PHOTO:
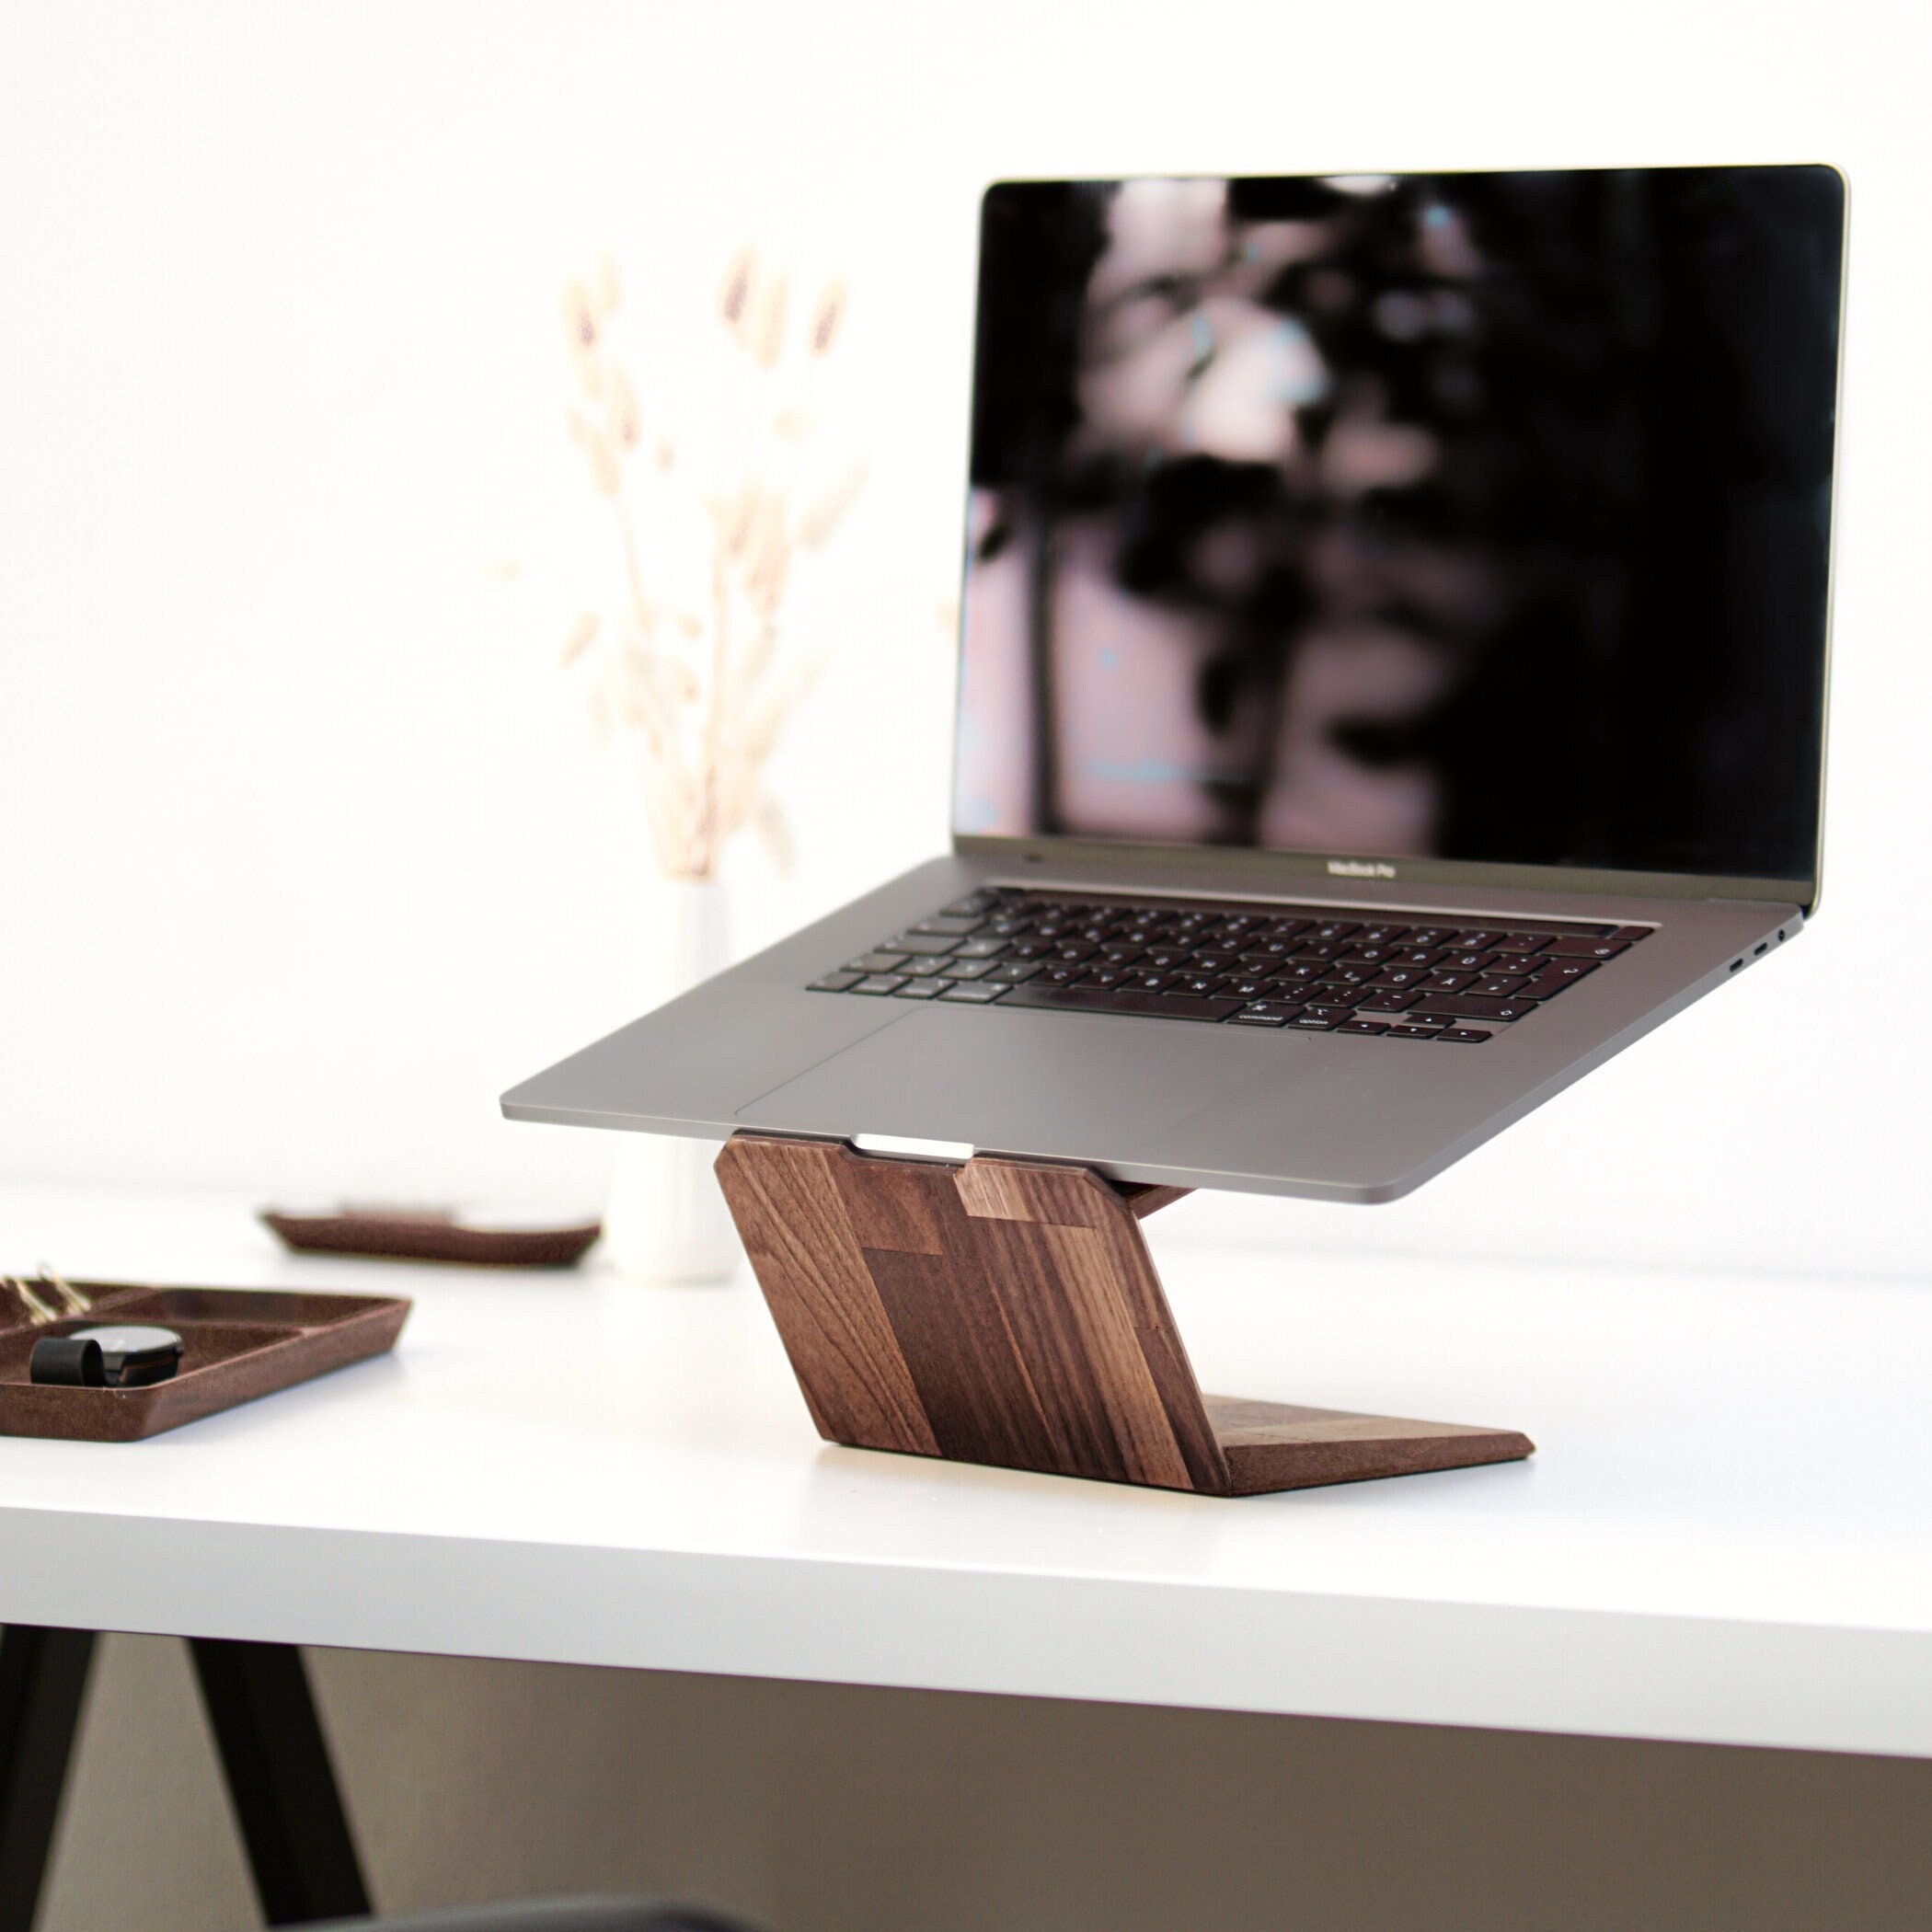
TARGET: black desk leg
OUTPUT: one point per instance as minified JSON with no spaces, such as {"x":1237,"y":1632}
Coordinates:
{"x":279,"y":1775}
{"x":42,"y":1676}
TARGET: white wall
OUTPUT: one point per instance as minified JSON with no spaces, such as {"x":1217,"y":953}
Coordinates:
{"x":306,"y":849}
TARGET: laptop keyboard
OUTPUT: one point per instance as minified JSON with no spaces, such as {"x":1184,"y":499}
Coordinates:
{"x":1290,"y":968}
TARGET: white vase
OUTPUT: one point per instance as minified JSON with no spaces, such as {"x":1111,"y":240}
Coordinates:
{"x":665,"y":1220}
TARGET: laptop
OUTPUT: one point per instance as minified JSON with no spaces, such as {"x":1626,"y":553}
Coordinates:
{"x":1392,"y":679}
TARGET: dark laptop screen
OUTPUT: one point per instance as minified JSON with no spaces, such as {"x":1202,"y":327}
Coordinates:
{"x":1478,"y":517}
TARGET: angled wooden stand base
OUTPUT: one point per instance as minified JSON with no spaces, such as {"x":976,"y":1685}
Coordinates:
{"x":1007,"y":1312}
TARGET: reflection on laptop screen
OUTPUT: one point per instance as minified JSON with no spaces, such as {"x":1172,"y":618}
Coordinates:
{"x":1480,"y":517}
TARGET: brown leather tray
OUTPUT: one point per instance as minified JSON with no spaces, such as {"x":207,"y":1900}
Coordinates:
{"x":238,"y":1343}
{"x":429,"y":1235}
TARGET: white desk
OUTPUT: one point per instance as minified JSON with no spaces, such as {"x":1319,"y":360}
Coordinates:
{"x":1726,"y":1537}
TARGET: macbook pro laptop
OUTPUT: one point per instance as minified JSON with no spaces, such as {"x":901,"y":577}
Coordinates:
{"x":1392,"y":679}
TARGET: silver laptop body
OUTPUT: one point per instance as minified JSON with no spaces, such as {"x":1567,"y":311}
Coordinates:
{"x":1356,"y":569}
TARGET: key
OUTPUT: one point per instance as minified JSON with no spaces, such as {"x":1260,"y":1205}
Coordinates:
{"x":1331,"y":929}
{"x":1415,"y":1030}
{"x":1321,"y":1019}
{"x":1467,"y":1006}
{"x":1013,"y":972}
{"x":1379,"y":936}
{"x":1451,"y":981}
{"x":1573,"y":949}
{"x":1247,"y":989}
{"x":1469,"y":1036}
{"x":1553,"y":975}
{"x":1506,"y":986}
{"x":975,"y":992}
{"x":1630,"y":935}
{"x":1476,"y":941}
{"x":1149,"y":981}
{"x":1120,"y":999}
{"x":836,"y":983}
{"x":1266,"y":1012}
{"x":947,"y":928}
{"x":1335,"y":993}
{"x":876,"y":962}
{"x":1203,"y":984}
{"x":1380,"y":1001}
{"x":879,"y":983}
{"x":969,"y":969}
{"x":1363,"y":1025}
{"x":922,"y":989}
{"x":926,"y":945}
{"x":980,"y":950}
{"x":966,"y":907}
{"x":1430,"y":935}
{"x":1523,"y":942}
{"x":1469,"y":959}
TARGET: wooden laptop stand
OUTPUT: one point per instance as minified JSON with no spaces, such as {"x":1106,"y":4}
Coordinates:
{"x":1008,"y":1312}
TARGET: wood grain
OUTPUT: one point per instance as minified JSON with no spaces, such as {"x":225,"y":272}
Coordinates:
{"x":1008,"y":1312}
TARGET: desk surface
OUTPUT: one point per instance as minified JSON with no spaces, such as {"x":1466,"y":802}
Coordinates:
{"x":1726,"y":1537}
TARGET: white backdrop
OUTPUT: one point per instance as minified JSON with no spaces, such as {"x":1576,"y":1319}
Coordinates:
{"x":306,"y":848}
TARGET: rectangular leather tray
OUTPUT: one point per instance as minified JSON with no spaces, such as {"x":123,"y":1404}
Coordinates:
{"x":237,"y":1343}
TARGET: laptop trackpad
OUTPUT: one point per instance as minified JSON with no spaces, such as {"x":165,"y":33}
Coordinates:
{"x":1019,"y":1082}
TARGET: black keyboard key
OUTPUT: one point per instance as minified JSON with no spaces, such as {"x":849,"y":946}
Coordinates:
{"x":969,"y":969}
{"x":1468,"y":1036}
{"x":1247,"y":988}
{"x":1630,"y":935}
{"x":1303,"y":971}
{"x":1210,"y":962}
{"x":1379,"y":936}
{"x":948,"y":928}
{"x":879,"y":983}
{"x":1569,"y":947}
{"x":1430,"y":935}
{"x":1030,"y":948}
{"x":1468,"y":1005}
{"x":1415,"y":1030}
{"x":1013,"y":972}
{"x":979,"y":949}
{"x":972,"y":903}
{"x":1167,"y":959}
{"x":1054,"y":973}
{"x":1363,"y":1025}
{"x":1552,"y":975}
{"x":976,"y":992}
{"x":836,"y":983}
{"x":1266,"y":1012}
{"x":1321,"y":1019}
{"x":922,"y":989}
{"x":876,"y":962}
{"x":1500,"y":986}
{"x":1451,"y":981}
{"x":1319,"y":948}
{"x":1476,"y":941}
{"x":1351,"y":973}
{"x":925,"y":945}
{"x":1383,"y":1001}
{"x":1412,"y":955}
{"x":1149,"y":981}
{"x":1468,"y":959}
{"x":1203,"y":985}
{"x":1522,"y":942}
{"x":1331,"y":929}
{"x":1121,"y":999}
{"x":1334,"y":992}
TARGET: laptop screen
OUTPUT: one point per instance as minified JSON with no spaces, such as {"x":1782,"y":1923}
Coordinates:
{"x":1478,"y":517}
